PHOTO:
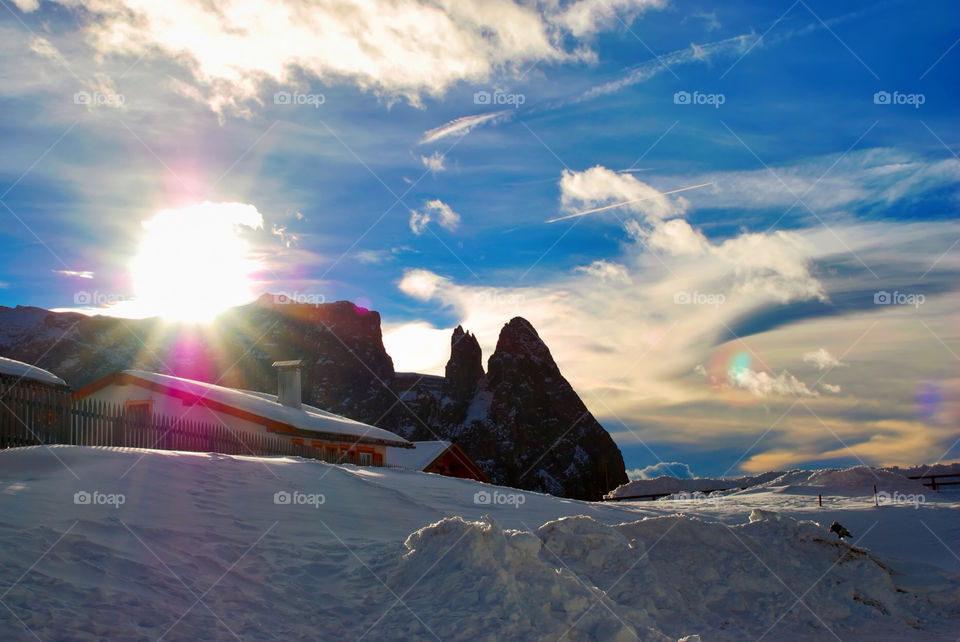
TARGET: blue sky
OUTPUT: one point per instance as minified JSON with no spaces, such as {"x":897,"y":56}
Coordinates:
{"x":731,"y":328}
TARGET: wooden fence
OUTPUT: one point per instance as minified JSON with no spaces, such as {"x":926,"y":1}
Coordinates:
{"x":938,"y":481}
{"x":33,"y":415}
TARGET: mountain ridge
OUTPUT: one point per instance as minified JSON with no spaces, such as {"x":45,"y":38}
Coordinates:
{"x":519,"y":418}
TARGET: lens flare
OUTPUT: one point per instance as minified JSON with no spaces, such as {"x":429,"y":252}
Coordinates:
{"x":193,"y":262}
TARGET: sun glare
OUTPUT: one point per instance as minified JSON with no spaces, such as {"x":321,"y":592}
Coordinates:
{"x":193,"y":263}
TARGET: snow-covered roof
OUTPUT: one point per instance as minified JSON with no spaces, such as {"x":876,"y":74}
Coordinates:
{"x":26,"y":371}
{"x":266,"y":406}
{"x":419,"y":457}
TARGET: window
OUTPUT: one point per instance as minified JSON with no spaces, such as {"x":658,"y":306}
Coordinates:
{"x":138,"y":410}
{"x":365,"y":459}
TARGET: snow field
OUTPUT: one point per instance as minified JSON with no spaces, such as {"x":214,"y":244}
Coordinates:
{"x":198,"y":549}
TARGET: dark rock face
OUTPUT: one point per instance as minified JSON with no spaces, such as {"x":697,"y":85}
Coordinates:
{"x":522,"y":421}
{"x":553,"y":442}
{"x":463,"y":373}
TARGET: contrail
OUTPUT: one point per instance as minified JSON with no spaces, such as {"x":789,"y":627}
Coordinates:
{"x":636,"y":200}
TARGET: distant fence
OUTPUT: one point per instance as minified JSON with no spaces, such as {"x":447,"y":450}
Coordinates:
{"x":35,"y":415}
{"x":938,"y":481}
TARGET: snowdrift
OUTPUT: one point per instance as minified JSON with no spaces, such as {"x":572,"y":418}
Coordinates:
{"x":115,"y":544}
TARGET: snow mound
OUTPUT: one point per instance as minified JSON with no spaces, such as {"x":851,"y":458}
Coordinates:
{"x":683,"y":575}
{"x":670,"y":576}
{"x":500,"y":578}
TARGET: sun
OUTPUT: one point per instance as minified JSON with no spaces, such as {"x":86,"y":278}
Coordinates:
{"x":193,"y":263}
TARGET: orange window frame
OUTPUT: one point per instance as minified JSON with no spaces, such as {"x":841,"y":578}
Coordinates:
{"x":137,"y":404}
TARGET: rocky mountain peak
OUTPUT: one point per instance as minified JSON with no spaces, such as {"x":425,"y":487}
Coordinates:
{"x":519,"y":346}
{"x":465,"y":367}
{"x":463,"y":374}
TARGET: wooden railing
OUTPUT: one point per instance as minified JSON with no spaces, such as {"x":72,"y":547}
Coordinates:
{"x":931,"y":481}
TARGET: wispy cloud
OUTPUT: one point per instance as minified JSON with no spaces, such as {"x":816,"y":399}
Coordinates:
{"x":764,"y":384}
{"x":692,"y":54}
{"x":435,"y":162}
{"x":822,"y":359}
{"x":605,"y":271}
{"x":435,"y":210}
{"x":464,"y":124}
{"x":75,"y":274}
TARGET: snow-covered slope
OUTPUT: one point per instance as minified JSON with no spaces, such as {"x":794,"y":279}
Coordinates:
{"x":201,"y":546}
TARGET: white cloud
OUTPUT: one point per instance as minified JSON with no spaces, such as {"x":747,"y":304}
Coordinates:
{"x":675,"y":236}
{"x":632,"y":353}
{"x":663,"y":469}
{"x":763,"y":384}
{"x":822,"y":358}
{"x":435,"y":210}
{"x":395,"y":48}
{"x":600,"y":186}
{"x":420,"y":284}
{"x":418,"y":346}
{"x":434,"y":162}
{"x":289,"y":239}
{"x":605,"y":271}
{"x":586,"y":17}
{"x":464,"y":125}
{"x":774,"y":265}
{"x":828,"y":387}
{"x":27,"y":6}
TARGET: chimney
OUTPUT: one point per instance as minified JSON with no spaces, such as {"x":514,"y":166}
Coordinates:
{"x":288,"y":382}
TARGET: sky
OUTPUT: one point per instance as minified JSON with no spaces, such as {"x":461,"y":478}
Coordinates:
{"x":794,"y":304}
